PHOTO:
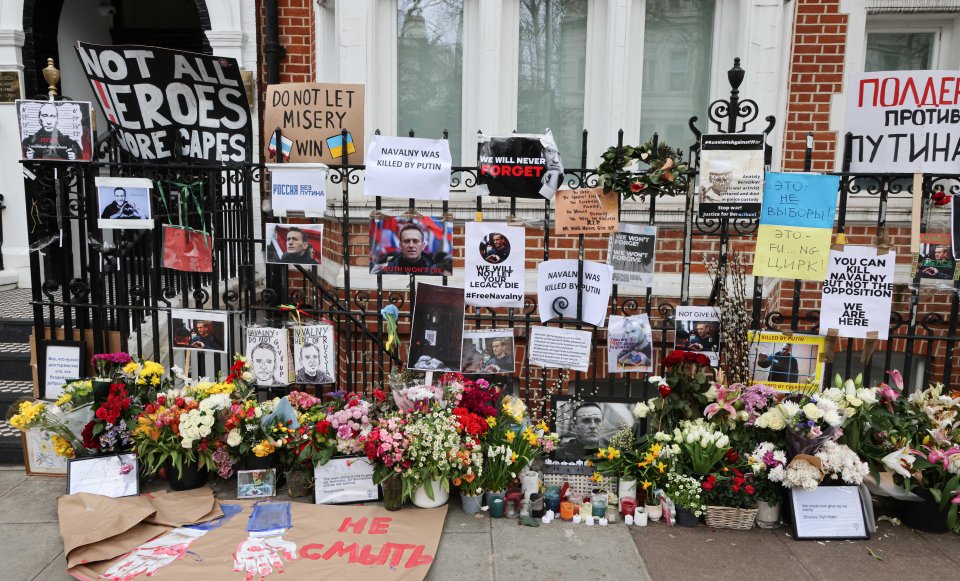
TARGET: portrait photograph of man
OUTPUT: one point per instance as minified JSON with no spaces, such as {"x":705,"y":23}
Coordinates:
{"x":488,"y":351}
{"x":421,"y":246}
{"x":124,"y":203}
{"x":57,"y":130}
{"x":294,"y":244}
{"x":267,"y":356}
{"x":585,"y":426}
{"x":785,"y":362}
{"x":199,"y":330}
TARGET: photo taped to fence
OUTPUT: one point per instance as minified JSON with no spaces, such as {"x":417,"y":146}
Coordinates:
{"x":405,"y":245}
{"x":55,"y":130}
{"x":199,"y":330}
{"x":124,"y":203}
{"x":294,"y":244}
{"x":488,"y":351}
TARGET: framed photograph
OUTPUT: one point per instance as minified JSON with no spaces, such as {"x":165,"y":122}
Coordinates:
{"x":39,"y":458}
{"x":787,"y":363}
{"x":587,"y":424}
{"x":257,"y":483}
{"x":345,"y":480}
{"x":124,"y":203}
{"x":57,"y":130}
{"x":829,"y":512}
{"x":63,"y":362}
{"x":113,"y":476}
{"x":294,"y":244}
{"x":199,"y":330}
{"x":421,"y":246}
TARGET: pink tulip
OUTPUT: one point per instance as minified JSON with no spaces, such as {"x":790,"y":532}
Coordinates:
{"x":896,"y":378}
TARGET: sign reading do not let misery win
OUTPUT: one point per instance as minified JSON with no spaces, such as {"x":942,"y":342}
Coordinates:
{"x":312,"y":118}
{"x":159,"y":99}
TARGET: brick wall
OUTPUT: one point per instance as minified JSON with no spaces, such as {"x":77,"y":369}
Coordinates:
{"x":816,"y":74}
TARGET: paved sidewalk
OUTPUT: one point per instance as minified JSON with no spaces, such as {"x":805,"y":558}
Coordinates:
{"x":482,"y":549}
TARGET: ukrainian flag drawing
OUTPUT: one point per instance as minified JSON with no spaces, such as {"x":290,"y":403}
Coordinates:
{"x":335,"y":145}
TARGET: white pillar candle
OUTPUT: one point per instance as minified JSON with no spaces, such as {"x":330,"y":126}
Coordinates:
{"x":590,"y":521}
{"x":546,"y":520}
{"x":603,"y":521}
{"x":628,"y":520}
{"x":576,"y":519}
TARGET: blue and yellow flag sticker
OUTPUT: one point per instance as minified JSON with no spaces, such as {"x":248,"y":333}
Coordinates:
{"x":335,"y":145}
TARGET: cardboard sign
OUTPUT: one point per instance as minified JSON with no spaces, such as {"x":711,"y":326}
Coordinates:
{"x":587,"y":211}
{"x":557,"y":290}
{"x":300,"y":187}
{"x":59,"y":130}
{"x":785,"y":362}
{"x":829,"y":512}
{"x":345,"y":480}
{"x":562,"y":348}
{"x":629,"y":344}
{"x":408,"y":167}
{"x":266,"y":351}
{"x":159,"y":99}
{"x":698,"y":330}
{"x":858,"y":293}
{"x":796,"y":225}
{"x":493,"y":272}
{"x":633,"y":254}
{"x":904,"y":121}
{"x":731,"y":175}
{"x":318,"y":541}
{"x":313,"y":117}
{"x":519,"y":166}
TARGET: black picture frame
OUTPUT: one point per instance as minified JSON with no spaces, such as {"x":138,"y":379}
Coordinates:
{"x":109,"y":460}
{"x":854,"y":493}
{"x":607,"y":428}
{"x":358,"y":499}
{"x":45,"y":348}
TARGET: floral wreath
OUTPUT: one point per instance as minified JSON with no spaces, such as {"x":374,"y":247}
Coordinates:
{"x":665,"y":175}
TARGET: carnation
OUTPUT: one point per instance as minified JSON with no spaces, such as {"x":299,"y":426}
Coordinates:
{"x":840,"y":462}
{"x":800,"y":473}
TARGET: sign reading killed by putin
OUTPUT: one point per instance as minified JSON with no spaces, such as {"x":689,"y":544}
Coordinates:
{"x":494,"y":256}
{"x":904,"y":121}
{"x":313,"y":117}
{"x":160,"y":100}
{"x":519,"y":166}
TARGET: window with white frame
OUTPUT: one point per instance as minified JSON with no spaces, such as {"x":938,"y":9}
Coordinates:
{"x":552,"y":67}
{"x":430,"y":69}
{"x":677,"y":56}
{"x":900,"y":51}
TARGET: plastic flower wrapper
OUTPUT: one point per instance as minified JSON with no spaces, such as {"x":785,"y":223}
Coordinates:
{"x":27,"y":414}
{"x":803,"y":471}
{"x":417,"y":397}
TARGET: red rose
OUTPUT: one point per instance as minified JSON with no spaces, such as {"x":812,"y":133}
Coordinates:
{"x":673,"y":358}
{"x":101,"y":413}
{"x":664,"y":390}
{"x":732,"y":455}
{"x":736,"y":488}
{"x":323,"y":427}
{"x":379,"y":395}
{"x":749,"y":489}
{"x":636,"y":187}
{"x":707,"y":485}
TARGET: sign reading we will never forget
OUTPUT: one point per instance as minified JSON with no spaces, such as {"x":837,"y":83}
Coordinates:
{"x":904,"y":121}
{"x":796,"y":225}
{"x":159,"y":99}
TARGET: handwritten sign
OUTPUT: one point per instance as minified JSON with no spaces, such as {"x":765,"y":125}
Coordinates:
{"x":796,"y":225}
{"x":343,"y":480}
{"x":563,"y":348}
{"x":63,"y":362}
{"x":858,"y":292}
{"x":904,"y":121}
{"x":408,"y":167}
{"x":828,"y":512}
{"x":586,"y":211}
{"x":313,"y":117}
{"x":557,"y":292}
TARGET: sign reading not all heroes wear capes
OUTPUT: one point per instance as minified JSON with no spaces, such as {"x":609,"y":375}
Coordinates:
{"x":494,"y":256}
{"x":159,"y":99}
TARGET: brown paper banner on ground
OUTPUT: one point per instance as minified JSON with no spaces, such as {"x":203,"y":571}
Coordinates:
{"x":112,"y":516}
{"x":312,"y":116}
{"x":364,"y":543}
{"x":586,"y":211}
{"x":184,"y":508}
{"x":116,"y":545}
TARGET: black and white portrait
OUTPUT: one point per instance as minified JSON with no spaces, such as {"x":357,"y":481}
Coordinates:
{"x":124,"y":203}
{"x":313,"y":354}
{"x":584,"y":426}
{"x":267,"y":356}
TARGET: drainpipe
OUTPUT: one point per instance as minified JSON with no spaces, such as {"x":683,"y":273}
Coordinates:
{"x":272,"y":48}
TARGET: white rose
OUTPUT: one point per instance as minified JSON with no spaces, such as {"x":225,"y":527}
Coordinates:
{"x":204,"y":431}
{"x":257,"y":412}
{"x":832,"y":418}
{"x":812,"y":411}
{"x":247,"y":376}
{"x":206,"y":421}
{"x":641,"y":410}
{"x":233,"y":438}
{"x":186,"y":443}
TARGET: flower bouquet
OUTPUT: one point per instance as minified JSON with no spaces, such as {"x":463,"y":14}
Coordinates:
{"x":436,"y":453}
{"x":683,"y":389}
{"x":808,"y":421}
{"x":107,"y":367}
{"x":26,"y":415}
{"x":512,"y":444}
{"x":251,"y":432}
{"x":386,"y":448}
{"x":113,"y":420}
{"x":702,"y":445}
{"x":768,"y":464}
{"x":686,"y":495}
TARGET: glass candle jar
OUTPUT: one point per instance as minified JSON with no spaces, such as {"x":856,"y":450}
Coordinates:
{"x":566,"y":511}
{"x":599,"y":504}
{"x":552,"y":498}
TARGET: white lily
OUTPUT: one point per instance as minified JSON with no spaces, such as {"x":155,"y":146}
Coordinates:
{"x":899,"y":461}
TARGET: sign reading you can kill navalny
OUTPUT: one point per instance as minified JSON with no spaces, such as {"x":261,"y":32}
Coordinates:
{"x":159,"y":99}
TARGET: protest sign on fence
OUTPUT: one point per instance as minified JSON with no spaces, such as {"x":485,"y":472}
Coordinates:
{"x":731,"y":176}
{"x":159,"y":100}
{"x":796,"y":225}
{"x":557,"y":290}
{"x":520,"y":166}
{"x":298,"y":187}
{"x":408,"y":167}
{"x":267,"y":355}
{"x":858,"y":292}
{"x":313,"y":117}
{"x":494,"y":256}
{"x":586,"y":211}
{"x":904,"y":121}
{"x":561,"y":348}
{"x":629,"y":344}
{"x":633,"y":255}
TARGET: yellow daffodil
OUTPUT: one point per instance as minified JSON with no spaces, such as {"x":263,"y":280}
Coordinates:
{"x":600,"y":453}
{"x":661,"y":467}
{"x":543,"y":426}
{"x":65,"y":398}
{"x":647,"y":484}
{"x":492,"y":422}
{"x":648,"y":458}
{"x":656,"y":449}
{"x":510,"y":436}
{"x":597,"y":477}
{"x":62,"y":447}
{"x":513,"y":457}
{"x":642,"y":464}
